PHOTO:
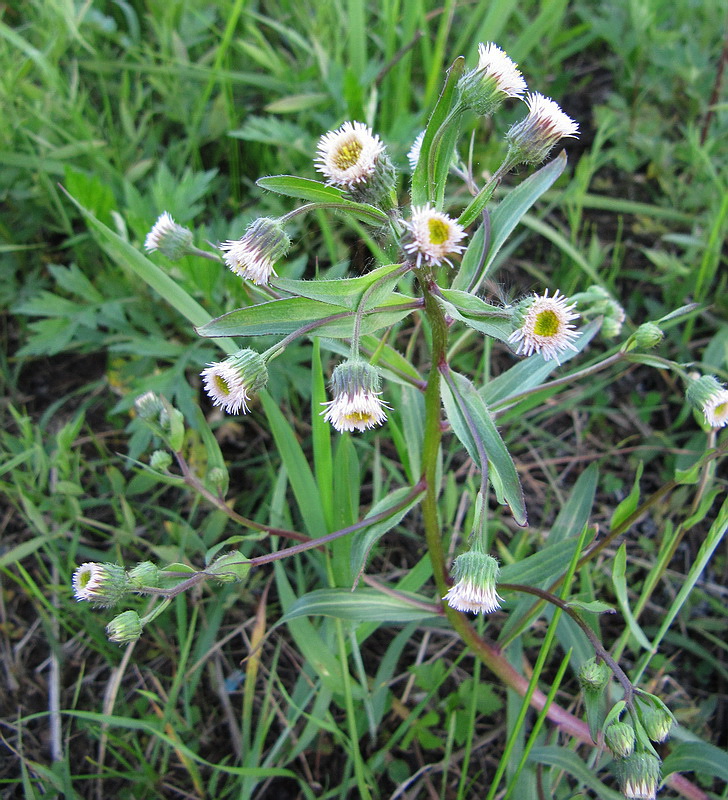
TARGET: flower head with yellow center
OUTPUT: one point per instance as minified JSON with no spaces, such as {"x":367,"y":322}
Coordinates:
{"x":348,"y":156}
{"x":255,"y":254}
{"x":433,"y":236}
{"x":233,"y":382}
{"x":710,"y":396}
{"x":532,"y":138}
{"x":101,"y":584}
{"x":544,"y":326}
{"x":356,"y":405}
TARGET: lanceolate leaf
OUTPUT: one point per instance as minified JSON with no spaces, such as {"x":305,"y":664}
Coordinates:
{"x":472,"y":424}
{"x":363,"y":605}
{"x":302,"y":188}
{"x":699,"y":757}
{"x":292,"y":313}
{"x":570,"y":762}
{"x":504,"y":218}
{"x":477,"y":314}
{"x":344,"y":292}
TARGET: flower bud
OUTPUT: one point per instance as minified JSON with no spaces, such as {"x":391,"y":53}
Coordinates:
{"x":648,"y":335}
{"x":531,"y":140}
{"x":254,"y":256}
{"x":230,"y":567}
{"x":144,"y":574}
{"x":639,"y":775}
{"x":594,"y":675}
{"x":169,"y":238}
{"x":149,"y":406}
{"x":620,"y":739}
{"x":125,"y":628}
{"x":476,"y":575}
{"x":100,"y":584}
{"x":160,"y":460}
{"x":496,"y":77}
{"x":657,"y":722}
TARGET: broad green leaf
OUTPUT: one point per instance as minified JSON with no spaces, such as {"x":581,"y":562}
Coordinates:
{"x":363,"y":541}
{"x":531,"y":372}
{"x":503,"y":220}
{"x":363,"y":605}
{"x":345,"y":292}
{"x":293,"y":313}
{"x":431,"y":164}
{"x":593,"y":606}
{"x":476,"y":313}
{"x":301,"y":188}
{"x":472,"y":424}
{"x":699,"y":757}
{"x":619,"y":580}
{"x":542,"y":567}
{"x":574,"y":514}
{"x":570,"y":762}
{"x":128,"y":257}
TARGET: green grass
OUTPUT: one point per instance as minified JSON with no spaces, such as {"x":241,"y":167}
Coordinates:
{"x":137,"y":107}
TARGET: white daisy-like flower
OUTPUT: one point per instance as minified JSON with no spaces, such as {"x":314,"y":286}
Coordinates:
{"x":475,"y":590}
{"x":433,"y":236}
{"x":532,"y":138}
{"x":233,"y":382}
{"x":168,"y":237}
{"x":715,"y":409}
{"x":545,"y":325}
{"x":356,"y":405}
{"x":493,"y":62}
{"x":101,"y":584}
{"x":254,"y":256}
{"x":414,"y":154}
{"x":348,"y":156}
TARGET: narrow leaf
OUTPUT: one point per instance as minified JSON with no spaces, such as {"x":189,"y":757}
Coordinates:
{"x":477,"y":314}
{"x":301,"y":188}
{"x":363,"y":605}
{"x":619,"y":579}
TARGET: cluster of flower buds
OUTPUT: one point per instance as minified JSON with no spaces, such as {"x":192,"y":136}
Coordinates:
{"x":597,"y":302}
{"x":107,"y":585}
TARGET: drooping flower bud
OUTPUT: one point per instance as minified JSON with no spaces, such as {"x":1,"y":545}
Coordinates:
{"x":496,"y":77}
{"x":160,"y":460}
{"x":639,"y":775}
{"x":356,"y":405}
{"x":125,"y":628}
{"x":254,"y":255}
{"x":657,"y":721}
{"x":233,"y":382}
{"x":594,"y":676}
{"x":229,"y":567}
{"x":531,"y":140}
{"x":169,"y":238}
{"x":620,"y":739}
{"x":144,"y":574}
{"x":476,"y":587}
{"x":648,"y":335}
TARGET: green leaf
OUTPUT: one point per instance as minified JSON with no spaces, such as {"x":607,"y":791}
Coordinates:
{"x":619,"y":579}
{"x":699,"y":757}
{"x":363,"y":542}
{"x":292,"y":313}
{"x":301,"y":188}
{"x":503,"y":220}
{"x":593,"y":606}
{"x":565,"y":759}
{"x":363,"y":605}
{"x":472,"y":424}
{"x":435,"y":162}
{"x":476,"y":313}
{"x":629,"y":505}
{"x":345,"y":292}
{"x":575,"y":512}
{"x":543,"y":566}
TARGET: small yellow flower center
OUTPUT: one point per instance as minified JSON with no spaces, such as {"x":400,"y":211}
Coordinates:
{"x":84,"y":579}
{"x":357,"y":416}
{"x":222,"y":385}
{"x":547,"y":323}
{"x":348,"y":154}
{"x":721,"y":411}
{"x":439,"y":231}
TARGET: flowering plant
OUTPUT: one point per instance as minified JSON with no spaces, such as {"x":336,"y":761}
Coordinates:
{"x":443,"y":248}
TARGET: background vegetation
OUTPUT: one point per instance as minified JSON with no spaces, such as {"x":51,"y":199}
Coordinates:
{"x":137,"y":106}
